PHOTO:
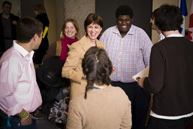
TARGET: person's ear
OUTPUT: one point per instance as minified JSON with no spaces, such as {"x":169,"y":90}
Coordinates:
{"x":35,"y":37}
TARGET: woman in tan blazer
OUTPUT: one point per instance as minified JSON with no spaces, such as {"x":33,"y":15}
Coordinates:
{"x":72,"y":68}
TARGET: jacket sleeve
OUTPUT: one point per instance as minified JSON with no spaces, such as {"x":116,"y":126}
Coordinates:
{"x":72,"y":68}
{"x":154,"y":83}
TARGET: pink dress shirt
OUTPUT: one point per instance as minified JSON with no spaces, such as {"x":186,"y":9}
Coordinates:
{"x":18,"y":86}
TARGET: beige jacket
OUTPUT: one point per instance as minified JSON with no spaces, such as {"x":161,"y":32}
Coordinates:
{"x":72,"y":68}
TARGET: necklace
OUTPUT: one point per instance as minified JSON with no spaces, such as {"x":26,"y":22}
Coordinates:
{"x":99,"y":87}
{"x":95,"y":87}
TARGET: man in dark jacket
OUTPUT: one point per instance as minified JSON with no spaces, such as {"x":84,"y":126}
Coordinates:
{"x":171,"y":74}
{"x":8,"y":22}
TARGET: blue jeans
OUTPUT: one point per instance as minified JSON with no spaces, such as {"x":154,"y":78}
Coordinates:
{"x":16,"y":123}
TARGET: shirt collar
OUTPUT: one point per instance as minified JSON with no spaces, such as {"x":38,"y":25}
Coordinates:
{"x":175,"y":35}
{"x":21,"y":50}
{"x":131,"y":30}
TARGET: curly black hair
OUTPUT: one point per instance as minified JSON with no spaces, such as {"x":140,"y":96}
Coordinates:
{"x":124,"y":10}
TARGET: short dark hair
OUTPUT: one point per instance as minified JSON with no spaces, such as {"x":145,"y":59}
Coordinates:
{"x":168,"y":17}
{"x":124,"y":10}
{"x":6,"y":2}
{"x":27,"y":27}
{"x":97,"y":67}
{"x":93,"y":18}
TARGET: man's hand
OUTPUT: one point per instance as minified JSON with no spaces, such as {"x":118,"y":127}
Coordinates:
{"x":140,"y":82}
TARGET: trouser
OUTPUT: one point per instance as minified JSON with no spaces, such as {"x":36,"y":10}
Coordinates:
{"x":140,"y":100}
{"x":156,"y":123}
{"x":15,"y":123}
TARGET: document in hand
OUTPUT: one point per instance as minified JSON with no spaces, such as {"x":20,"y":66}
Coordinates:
{"x":142,"y":74}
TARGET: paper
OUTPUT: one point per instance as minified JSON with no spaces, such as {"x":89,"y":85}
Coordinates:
{"x":142,"y":74}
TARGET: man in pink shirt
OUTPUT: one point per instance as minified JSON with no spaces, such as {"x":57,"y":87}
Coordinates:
{"x":19,"y":92}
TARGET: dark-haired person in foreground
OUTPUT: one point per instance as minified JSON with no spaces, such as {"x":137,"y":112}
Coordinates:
{"x":171,"y":74}
{"x":19,"y":92}
{"x":101,"y":106}
{"x":128,"y":47}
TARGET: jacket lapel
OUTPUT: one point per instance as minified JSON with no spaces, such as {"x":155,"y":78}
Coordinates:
{"x":85,"y":44}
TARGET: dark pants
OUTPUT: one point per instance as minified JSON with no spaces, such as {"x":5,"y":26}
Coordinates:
{"x":139,"y":102}
{"x":155,"y":123}
{"x":16,"y":124}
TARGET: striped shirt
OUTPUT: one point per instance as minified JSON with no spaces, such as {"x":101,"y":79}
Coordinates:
{"x":129,"y":54}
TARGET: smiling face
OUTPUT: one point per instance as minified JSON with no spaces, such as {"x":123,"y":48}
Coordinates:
{"x":124,"y":23}
{"x":70,"y":31}
{"x":93,"y":31}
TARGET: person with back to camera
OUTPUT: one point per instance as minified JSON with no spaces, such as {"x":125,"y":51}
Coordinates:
{"x":69,"y":32}
{"x":72,"y":68}
{"x":154,"y":27}
{"x":128,"y":47}
{"x":171,"y":74}
{"x":40,"y":12}
{"x":101,"y":106}
{"x":19,"y":93}
{"x":8,"y":22}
